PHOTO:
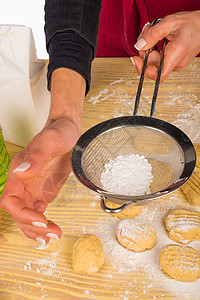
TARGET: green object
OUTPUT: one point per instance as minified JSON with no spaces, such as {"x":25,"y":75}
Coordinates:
{"x":4,"y":164}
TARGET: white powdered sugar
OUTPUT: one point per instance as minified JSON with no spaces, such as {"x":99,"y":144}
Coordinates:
{"x":183,"y":224}
{"x":127,"y":175}
{"x":132,"y":229}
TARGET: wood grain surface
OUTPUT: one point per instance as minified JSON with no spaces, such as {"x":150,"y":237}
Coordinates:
{"x":28,"y":271}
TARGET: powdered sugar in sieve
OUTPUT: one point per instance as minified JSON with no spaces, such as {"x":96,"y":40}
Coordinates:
{"x":129,"y":175}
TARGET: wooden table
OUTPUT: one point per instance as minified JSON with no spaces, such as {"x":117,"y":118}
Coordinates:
{"x":28,"y":271}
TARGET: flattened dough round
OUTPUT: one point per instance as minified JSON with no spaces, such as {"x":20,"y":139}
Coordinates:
{"x":88,"y":254}
{"x":180,"y":262}
{"x":191,"y":188}
{"x":135,"y":235}
{"x":129,"y":212}
{"x":162,"y":175}
{"x":153,"y":142}
{"x":183,"y":225}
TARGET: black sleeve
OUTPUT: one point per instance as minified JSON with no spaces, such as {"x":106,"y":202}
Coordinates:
{"x":69,"y":50}
{"x":81,"y":16}
{"x":71,"y":28}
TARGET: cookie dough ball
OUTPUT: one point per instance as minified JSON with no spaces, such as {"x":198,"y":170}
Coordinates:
{"x":180,"y":262}
{"x":135,"y":235}
{"x":183,"y":225}
{"x":88,"y":254}
{"x":153,"y":142}
{"x":162,"y":175}
{"x":129,"y":212}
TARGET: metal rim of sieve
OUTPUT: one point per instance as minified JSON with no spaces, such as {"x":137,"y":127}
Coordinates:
{"x":172,"y":131}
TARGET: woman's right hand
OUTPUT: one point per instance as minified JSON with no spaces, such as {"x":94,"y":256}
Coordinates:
{"x":182,"y":30}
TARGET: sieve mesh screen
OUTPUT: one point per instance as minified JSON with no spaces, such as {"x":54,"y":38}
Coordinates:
{"x":162,"y":151}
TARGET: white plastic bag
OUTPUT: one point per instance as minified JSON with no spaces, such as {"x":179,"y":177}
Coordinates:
{"x":24,"y":98}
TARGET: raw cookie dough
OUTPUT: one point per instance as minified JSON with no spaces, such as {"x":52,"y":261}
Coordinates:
{"x":135,"y":235}
{"x":153,"y":142}
{"x":180,"y":262}
{"x":129,"y":212}
{"x":162,"y":175}
{"x":88,"y":255}
{"x":197,"y":148}
{"x":183,"y":225}
{"x":191,"y":188}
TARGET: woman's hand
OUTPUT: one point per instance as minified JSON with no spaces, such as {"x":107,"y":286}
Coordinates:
{"x":37,"y":173}
{"x":182,"y":30}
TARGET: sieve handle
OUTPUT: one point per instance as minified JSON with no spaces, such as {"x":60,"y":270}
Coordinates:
{"x":139,"y":90}
{"x":113,"y":210}
{"x":155,"y":93}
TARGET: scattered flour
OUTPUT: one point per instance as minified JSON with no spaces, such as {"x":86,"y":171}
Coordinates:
{"x":45,"y":266}
{"x":100,"y":97}
{"x":115,"y":89}
{"x":189,"y":123}
{"x":127,"y":175}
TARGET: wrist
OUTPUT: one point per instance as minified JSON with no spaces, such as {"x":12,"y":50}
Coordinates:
{"x":67,"y":95}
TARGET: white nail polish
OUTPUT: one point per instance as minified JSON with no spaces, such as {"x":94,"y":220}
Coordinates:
{"x":40,"y":240}
{"x":145,"y":25}
{"x":52,"y":236}
{"x":39,"y":224}
{"x":132,"y":60}
{"x":22,"y":168}
{"x":140,"y":44}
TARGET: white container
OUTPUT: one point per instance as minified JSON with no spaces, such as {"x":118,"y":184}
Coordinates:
{"x":24,"y":98}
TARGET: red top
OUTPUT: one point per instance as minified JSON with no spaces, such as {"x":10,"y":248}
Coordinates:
{"x":121,"y":21}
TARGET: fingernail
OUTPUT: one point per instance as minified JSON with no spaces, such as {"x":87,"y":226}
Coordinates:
{"x":133,"y":62}
{"x":52,"y":236}
{"x":22,"y":168}
{"x":145,"y":25}
{"x":40,"y":240}
{"x":140,"y":44}
{"x":39,"y":224}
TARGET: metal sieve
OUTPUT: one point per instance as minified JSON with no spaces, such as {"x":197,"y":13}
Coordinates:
{"x":168,"y":149}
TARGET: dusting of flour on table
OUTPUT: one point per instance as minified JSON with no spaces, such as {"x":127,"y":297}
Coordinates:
{"x":127,"y":175}
{"x":189,"y":123}
{"x":124,"y":260}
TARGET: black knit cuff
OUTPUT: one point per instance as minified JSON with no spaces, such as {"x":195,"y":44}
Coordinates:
{"x":69,"y":50}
